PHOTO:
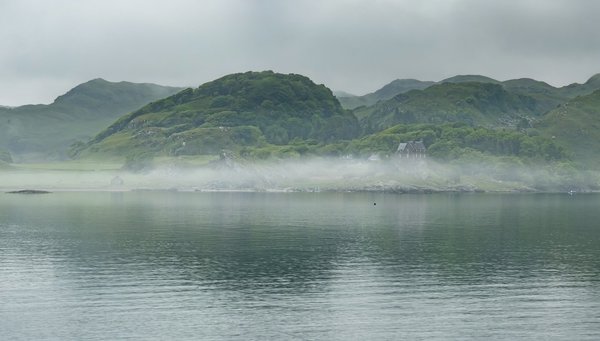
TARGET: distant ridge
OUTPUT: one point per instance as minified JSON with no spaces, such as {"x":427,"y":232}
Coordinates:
{"x":479,"y":104}
{"x":388,"y":91}
{"x":546,"y":95}
{"x":45,"y":132}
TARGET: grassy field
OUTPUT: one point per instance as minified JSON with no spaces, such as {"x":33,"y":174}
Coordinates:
{"x":113,"y":164}
{"x":73,"y":165}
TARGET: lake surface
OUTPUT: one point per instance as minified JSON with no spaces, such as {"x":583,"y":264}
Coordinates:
{"x":306,"y":266}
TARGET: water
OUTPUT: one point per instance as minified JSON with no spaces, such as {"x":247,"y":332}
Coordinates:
{"x":306,"y":266}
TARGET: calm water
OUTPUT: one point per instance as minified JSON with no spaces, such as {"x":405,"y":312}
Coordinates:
{"x":319,"y":266}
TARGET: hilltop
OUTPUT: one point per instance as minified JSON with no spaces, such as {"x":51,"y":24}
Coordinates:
{"x":44,"y":132}
{"x":238,"y":111}
{"x":547,"y":96}
{"x":470,"y":79}
{"x":479,"y":104}
{"x":388,"y":91}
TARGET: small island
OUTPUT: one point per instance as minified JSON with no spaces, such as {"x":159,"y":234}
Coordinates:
{"x":29,"y":191}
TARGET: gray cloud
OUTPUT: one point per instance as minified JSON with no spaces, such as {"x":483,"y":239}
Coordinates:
{"x":352,"y":45}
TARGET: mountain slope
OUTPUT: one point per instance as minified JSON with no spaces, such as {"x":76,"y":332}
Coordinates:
{"x":43,"y":132}
{"x":575,"y":89}
{"x":472,"y":103}
{"x":576,"y":125}
{"x":235,"y":111}
{"x":390,"y":90}
{"x":547,"y":97}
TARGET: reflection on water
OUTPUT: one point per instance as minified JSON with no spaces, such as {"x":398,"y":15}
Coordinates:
{"x":299,"y":266}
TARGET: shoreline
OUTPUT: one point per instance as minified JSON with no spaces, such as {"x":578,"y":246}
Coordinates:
{"x":413,"y":190}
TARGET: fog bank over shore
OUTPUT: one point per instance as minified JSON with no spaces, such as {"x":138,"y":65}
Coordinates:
{"x":318,"y":174}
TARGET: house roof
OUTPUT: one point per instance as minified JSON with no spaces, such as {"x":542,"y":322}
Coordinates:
{"x":412,"y":147}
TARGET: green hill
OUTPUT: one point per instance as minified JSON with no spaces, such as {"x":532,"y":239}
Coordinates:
{"x":390,"y":90}
{"x":576,"y":125}
{"x":575,"y":89}
{"x":547,"y":97}
{"x":237,"y":111}
{"x":44,"y":132}
{"x":472,"y":103}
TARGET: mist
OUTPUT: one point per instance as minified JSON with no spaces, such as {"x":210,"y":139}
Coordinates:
{"x":356,"y":46}
{"x":316,"y":175}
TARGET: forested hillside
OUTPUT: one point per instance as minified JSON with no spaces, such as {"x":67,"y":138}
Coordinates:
{"x":239,"y":110}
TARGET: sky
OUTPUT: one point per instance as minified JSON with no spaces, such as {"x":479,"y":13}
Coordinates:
{"x":357,"y":46}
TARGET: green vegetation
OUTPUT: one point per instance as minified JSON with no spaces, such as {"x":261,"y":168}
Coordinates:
{"x":576,"y":125}
{"x":574,"y":90}
{"x":45,"y":132}
{"x":72,"y":165}
{"x":527,"y":86}
{"x":253,"y":109}
{"x":477,"y":104}
{"x":390,"y":90}
{"x":546,"y":96}
{"x":265,"y":115}
{"x":453,"y":141}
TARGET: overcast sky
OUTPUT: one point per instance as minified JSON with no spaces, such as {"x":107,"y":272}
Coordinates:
{"x":48,"y":47}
